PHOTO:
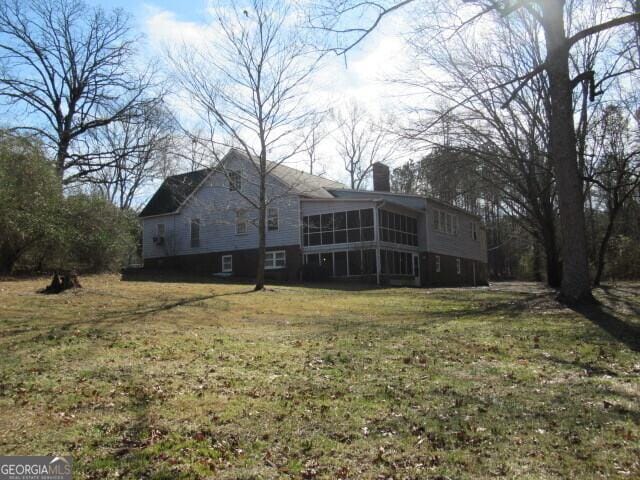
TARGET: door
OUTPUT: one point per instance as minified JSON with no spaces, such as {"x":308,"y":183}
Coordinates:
{"x":416,"y":269}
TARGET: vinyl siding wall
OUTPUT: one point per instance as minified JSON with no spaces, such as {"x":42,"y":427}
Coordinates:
{"x":215,"y":206}
{"x":459,"y":245}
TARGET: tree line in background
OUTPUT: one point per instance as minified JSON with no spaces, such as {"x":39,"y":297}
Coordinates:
{"x":518,"y":81}
{"x":531,"y":120}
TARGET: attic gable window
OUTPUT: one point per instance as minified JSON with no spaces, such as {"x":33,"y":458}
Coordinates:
{"x":235,"y":180}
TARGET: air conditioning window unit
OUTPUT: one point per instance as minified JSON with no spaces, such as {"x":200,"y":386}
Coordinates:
{"x":158,"y":240}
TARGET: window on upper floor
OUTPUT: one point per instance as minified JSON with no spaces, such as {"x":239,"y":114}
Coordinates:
{"x":195,"y":232}
{"x":397,"y":228}
{"x":474,"y":230}
{"x":241,"y":222}
{"x":341,"y":227}
{"x":445,"y":222}
{"x":158,"y":239}
{"x":272,"y":219}
{"x":235,"y":180}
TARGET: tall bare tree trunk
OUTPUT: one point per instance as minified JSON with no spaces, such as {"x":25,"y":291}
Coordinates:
{"x":576,"y":286}
{"x":61,"y":156}
{"x":262,"y":213}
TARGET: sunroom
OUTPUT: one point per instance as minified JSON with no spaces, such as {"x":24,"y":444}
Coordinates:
{"x":370,"y":241}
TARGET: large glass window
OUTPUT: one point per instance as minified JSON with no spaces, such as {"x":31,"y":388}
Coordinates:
{"x":355,"y":262}
{"x":326,"y":260}
{"x":369,"y":262}
{"x":340,"y":264}
{"x":396,"y":263}
{"x":398,"y":228}
{"x":340,"y":259}
{"x":340,"y":227}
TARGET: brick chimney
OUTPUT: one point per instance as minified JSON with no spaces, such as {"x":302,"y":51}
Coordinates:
{"x":381,"y":178}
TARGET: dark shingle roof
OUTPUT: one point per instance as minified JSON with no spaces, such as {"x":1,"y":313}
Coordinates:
{"x":176,"y":189}
{"x":173,"y":192}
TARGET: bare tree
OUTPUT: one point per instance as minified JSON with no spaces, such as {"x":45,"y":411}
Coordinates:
{"x":247,"y":86}
{"x":134,"y":153}
{"x":560,"y":37}
{"x":505,"y":148}
{"x":361,"y":142}
{"x":71,"y":68}
{"x":313,"y":135}
{"x":615,"y":172}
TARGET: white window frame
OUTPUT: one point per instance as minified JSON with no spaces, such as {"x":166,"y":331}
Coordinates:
{"x":458,"y":266}
{"x":271,"y":259}
{"x":241,"y":221}
{"x":445,"y":222}
{"x":194,"y":220}
{"x":224,"y":260}
{"x":276,"y":216}
{"x":438,"y":265}
{"x":158,"y":225}
{"x":238,"y":185}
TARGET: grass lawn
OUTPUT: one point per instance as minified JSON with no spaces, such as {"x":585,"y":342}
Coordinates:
{"x":194,"y":380}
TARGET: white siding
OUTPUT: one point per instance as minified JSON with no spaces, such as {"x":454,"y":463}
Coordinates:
{"x":215,"y":205}
{"x":461,"y":244}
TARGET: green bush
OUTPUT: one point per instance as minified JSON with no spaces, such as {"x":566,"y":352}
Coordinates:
{"x":99,"y":236}
{"x":42,"y":230}
{"x":30,"y":201}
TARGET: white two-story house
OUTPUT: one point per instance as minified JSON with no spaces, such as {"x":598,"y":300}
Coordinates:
{"x":205,"y":222}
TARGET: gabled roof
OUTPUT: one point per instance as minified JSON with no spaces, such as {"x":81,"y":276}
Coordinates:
{"x":175,"y":190}
{"x":303,"y":183}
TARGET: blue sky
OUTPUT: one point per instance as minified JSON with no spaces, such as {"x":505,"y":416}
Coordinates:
{"x":362,"y":79}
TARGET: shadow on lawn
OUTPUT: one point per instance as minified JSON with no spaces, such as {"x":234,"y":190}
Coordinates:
{"x":145,"y":310}
{"x":623,"y":331}
{"x":181,"y":277}
{"x":130,"y":454}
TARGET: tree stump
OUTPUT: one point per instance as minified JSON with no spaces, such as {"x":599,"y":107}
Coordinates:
{"x":61,"y":282}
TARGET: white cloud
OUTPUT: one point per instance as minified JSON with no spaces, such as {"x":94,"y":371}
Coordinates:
{"x":362,"y":76}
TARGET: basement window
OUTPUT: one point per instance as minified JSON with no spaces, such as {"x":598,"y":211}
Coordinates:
{"x":227,"y":263}
{"x":277,"y":259}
